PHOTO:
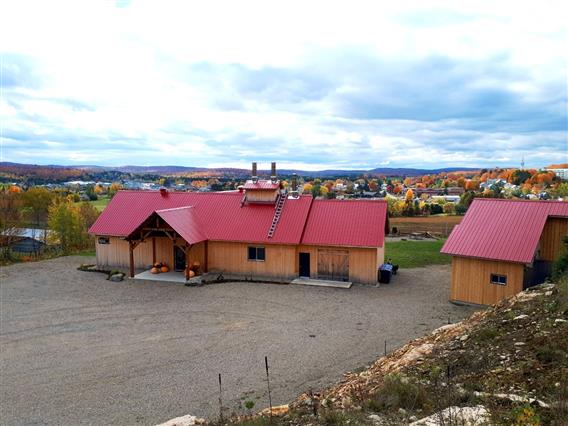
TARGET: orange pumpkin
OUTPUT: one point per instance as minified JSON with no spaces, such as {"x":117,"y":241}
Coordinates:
{"x":155,"y":270}
{"x":191,"y":274}
{"x":164,"y":268}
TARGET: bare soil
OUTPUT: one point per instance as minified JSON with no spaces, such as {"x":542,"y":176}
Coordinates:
{"x":442,"y":225}
{"x":78,"y":349}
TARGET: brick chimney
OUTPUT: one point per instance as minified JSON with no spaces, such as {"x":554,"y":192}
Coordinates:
{"x":254,"y":172}
{"x":273,"y":172}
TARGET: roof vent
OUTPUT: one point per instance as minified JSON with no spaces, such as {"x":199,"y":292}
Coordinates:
{"x":163,"y":192}
{"x":254,"y":172}
{"x":273,"y":172}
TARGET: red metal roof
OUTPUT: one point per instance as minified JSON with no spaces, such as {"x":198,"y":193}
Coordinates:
{"x":185,"y":222}
{"x":219,"y":216}
{"x":359,"y":223}
{"x":507,"y":230}
{"x":261,"y":184}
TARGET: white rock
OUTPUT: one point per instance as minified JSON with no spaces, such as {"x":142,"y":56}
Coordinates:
{"x":445,"y":328}
{"x":520,"y":317}
{"x":559,"y":320}
{"x":464,"y":337}
{"x":376,"y":419}
{"x":465,"y":416}
{"x":186,"y":420}
{"x":520,"y":343}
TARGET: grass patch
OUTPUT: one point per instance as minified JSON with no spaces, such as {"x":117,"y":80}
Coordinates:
{"x":100,"y":204}
{"x":89,"y":252}
{"x":414,"y":254}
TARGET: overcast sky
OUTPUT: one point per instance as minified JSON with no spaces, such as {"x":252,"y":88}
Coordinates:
{"x":309,"y":84}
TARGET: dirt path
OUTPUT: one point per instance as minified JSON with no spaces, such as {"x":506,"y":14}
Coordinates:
{"x":77,"y":349}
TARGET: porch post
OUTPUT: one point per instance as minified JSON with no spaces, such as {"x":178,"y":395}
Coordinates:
{"x":187,"y":262}
{"x":131,"y":255}
{"x":153,"y":251}
{"x":205,"y":249}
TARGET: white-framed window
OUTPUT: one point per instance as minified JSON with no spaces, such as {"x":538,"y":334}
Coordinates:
{"x":103,"y":240}
{"x":498,"y":279}
{"x":256,"y":254}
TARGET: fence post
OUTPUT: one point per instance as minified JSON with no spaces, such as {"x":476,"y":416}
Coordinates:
{"x":220,"y":399}
{"x":268,"y":382}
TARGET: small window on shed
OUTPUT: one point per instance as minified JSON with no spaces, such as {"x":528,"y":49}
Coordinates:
{"x":104,"y":240}
{"x":256,"y":254}
{"x":498,"y":279}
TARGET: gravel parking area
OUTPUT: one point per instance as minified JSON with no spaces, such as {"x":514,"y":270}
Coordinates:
{"x":77,"y":349}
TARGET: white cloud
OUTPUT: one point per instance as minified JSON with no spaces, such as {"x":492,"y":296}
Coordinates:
{"x":126,"y":78}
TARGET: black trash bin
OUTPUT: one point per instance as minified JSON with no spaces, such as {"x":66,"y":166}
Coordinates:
{"x":385,"y":273}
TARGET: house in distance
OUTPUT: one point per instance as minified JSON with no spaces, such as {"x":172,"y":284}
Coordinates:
{"x":263,"y":232}
{"x":502,"y":247}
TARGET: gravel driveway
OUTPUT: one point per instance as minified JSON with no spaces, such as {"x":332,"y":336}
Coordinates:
{"x":77,"y":349}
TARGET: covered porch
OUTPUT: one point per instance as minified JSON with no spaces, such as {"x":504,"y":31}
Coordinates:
{"x":184,"y":239}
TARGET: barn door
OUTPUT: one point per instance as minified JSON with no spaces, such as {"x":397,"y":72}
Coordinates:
{"x":333,"y":265}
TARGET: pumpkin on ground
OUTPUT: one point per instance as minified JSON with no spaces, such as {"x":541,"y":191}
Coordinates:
{"x":164,"y":269}
{"x":191,"y":274}
{"x":155,"y":270}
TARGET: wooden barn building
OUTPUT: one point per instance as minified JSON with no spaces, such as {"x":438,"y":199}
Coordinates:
{"x":261,"y":232}
{"x":501,"y":247}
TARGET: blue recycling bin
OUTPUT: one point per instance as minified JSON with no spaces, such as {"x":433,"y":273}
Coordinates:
{"x":385,"y":273}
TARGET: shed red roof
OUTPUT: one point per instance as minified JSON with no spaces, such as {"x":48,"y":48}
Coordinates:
{"x":219,"y":216}
{"x":507,"y":230}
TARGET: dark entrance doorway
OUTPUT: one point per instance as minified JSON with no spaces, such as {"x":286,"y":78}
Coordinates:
{"x":179,"y":259}
{"x":305,"y":265}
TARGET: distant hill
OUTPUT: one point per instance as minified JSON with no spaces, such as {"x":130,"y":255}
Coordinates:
{"x":57,"y":172}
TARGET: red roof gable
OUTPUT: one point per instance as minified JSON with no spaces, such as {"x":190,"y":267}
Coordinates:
{"x":219,"y":216}
{"x":346,"y":222}
{"x":185,"y":222}
{"x":507,"y":230}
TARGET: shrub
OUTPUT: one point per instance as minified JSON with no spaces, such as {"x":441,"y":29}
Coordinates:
{"x":548,"y":354}
{"x":398,"y":392}
{"x":487,"y":333}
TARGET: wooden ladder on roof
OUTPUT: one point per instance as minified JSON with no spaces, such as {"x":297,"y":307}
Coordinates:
{"x":277,"y":214}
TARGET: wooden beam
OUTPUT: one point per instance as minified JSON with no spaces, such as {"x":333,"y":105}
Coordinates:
{"x":205,"y":257}
{"x":131,"y":257}
{"x":153,"y":251}
{"x":158,"y":229}
{"x":187,"y":264}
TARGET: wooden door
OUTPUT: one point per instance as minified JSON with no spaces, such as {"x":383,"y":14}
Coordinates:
{"x":333,"y":265}
{"x":305,"y":265}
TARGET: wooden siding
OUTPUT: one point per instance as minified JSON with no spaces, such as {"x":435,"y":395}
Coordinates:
{"x":471,"y":280}
{"x":115,"y":254}
{"x":363,"y":262}
{"x":551,"y":239}
{"x":281,"y":264}
{"x":232,"y":258}
{"x":262,"y":195}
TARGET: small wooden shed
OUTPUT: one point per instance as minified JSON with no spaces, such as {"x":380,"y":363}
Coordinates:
{"x":502,"y":247}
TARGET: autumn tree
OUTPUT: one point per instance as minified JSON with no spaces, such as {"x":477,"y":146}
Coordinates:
{"x":37,"y":200}
{"x":10,"y":216}
{"x":409,"y":196}
{"x":70,"y":223}
{"x":307,"y":188}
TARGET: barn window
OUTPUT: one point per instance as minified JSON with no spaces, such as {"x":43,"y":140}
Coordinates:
{"x":256,"y":254}
{"x":104,"y":240}
{"x":498,"y":279}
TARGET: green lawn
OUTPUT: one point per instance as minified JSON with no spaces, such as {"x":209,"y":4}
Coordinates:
{"x":413,"y":254}
{"x":101,"y":203}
